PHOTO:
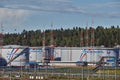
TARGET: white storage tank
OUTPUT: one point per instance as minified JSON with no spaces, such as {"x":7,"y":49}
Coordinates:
{"x":11,"y":51}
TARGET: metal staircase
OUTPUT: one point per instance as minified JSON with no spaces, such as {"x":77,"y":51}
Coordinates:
{"x":101,"y":64}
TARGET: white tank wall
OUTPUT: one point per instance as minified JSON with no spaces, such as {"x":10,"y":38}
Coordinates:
{"x":68,"y":54}
{"x":93,"y":55}
{"x":65,"y":55}
{"x":35,"y":54}
{"x":9,"y":52}
{"x":75,"y":54}
{"x":57,"y":52}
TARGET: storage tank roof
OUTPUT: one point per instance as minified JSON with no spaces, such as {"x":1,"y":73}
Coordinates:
{"x":13,"y":46}
{"x":78,"y":48}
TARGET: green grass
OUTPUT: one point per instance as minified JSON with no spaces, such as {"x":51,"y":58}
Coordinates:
{"x":109,"y":71}
{"x":69,"y":70}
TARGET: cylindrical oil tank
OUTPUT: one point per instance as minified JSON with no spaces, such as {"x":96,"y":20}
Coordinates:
{"x":9,"y":52}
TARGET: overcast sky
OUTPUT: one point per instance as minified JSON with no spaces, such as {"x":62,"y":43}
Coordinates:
{"x":39,"y":14}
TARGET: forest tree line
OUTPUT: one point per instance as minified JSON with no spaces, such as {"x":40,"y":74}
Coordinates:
{"x":109,"y":37}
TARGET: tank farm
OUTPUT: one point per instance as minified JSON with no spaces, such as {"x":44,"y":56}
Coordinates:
{"x":39,"y":63}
